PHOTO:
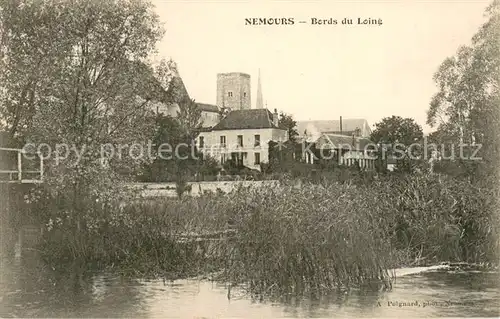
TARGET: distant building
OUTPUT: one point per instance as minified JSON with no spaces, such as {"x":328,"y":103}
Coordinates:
{"x":347,"y":143}
{"x":243,"y":137}
{"x":210,"y":114}
{"x":175,"y":93}
{"x":347,"y":150}
{"x":243,"y":134}
{"x":233,"y":91}
{"x":312,"y":130}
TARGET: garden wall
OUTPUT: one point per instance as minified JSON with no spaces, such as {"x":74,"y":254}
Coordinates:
{"x":197,"y":188}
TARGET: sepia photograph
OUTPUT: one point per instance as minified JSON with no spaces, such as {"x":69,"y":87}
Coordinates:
{"x":249,"y":159}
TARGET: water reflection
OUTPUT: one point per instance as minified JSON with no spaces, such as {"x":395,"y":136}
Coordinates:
{"x":37,"y":291}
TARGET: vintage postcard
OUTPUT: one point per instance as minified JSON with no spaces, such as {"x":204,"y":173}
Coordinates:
{"x":249,"y":159}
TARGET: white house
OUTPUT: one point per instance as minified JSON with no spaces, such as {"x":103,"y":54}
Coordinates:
{"x":345,"y":150}
{"x":242,"y":136}
{"x":210,"y":114}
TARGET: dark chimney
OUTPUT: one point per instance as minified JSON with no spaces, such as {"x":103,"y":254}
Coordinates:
{"x":341,"y":125}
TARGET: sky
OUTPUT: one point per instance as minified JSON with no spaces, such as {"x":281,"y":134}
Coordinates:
{"x":321,"y":72}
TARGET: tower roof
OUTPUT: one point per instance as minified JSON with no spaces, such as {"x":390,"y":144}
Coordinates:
{"x":172,"y":92}
{"x":234,"y":73}
{"x":177,"y":91}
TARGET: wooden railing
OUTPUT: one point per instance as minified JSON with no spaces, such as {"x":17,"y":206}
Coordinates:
{"x":20,"y":175}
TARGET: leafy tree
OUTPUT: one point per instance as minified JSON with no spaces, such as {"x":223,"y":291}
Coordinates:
{"x":164,"y":73}
{"x":179,"y":158}
{"x":26,"y":59}
{"x":167,"y":136}
{"x":77,"y":75}
{"x":287,"y":122}
{"x":285,"y":151}
{"x":395,"y":129}
{"x":396,"y":134}
{"x":189,"y":116}
{"x":179,"y":132}
{"x":465,"y":109}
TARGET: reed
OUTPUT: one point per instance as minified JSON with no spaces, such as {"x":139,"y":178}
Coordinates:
{"x":311,"y":239}
{"x":142,"y":236}
{"x":295,"y":238}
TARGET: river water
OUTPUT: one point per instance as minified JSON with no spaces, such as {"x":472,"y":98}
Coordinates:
{"x":36,"y":291}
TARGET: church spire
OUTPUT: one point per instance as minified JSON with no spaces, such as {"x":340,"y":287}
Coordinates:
{"x":260,"y":103}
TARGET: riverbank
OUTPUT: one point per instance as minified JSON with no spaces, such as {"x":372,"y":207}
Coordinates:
{"x":289,"y":239}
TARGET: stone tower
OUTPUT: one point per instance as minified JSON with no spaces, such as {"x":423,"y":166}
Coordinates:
{"x":233,"y":91}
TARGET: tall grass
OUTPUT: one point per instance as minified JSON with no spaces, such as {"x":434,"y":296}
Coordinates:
{"x":313,"y":237}
{"x":320,"y":237}
{"x":307,"y":239}
{"x":442,"y":218}
{"x":141,"y":237}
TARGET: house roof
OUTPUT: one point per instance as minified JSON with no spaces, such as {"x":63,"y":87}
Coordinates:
{"x":208,"y":107}
{"x":329,"y":126}
{"x":337,"y":141}
{"x":246,"y":119}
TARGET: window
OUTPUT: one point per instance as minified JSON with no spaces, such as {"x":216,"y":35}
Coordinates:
{"x":240,"y":140}
{"x":202,"y":141}
{"x":257,"y":158}
{"x":244,"y":94}
{"x":223,"y":141}
{"x":230,"y":94}
{"x":257,"y":140}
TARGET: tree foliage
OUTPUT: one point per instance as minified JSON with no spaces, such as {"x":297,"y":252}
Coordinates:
{"x":76,"y":74}
{"x":466,"y":107}
{"x":172,"y":151}
{"x":287,"y":122}
{"x":396,"y":134}
{"x":395,"y":129}
{"x":180,"y":160}
{"x":189,"y":116}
